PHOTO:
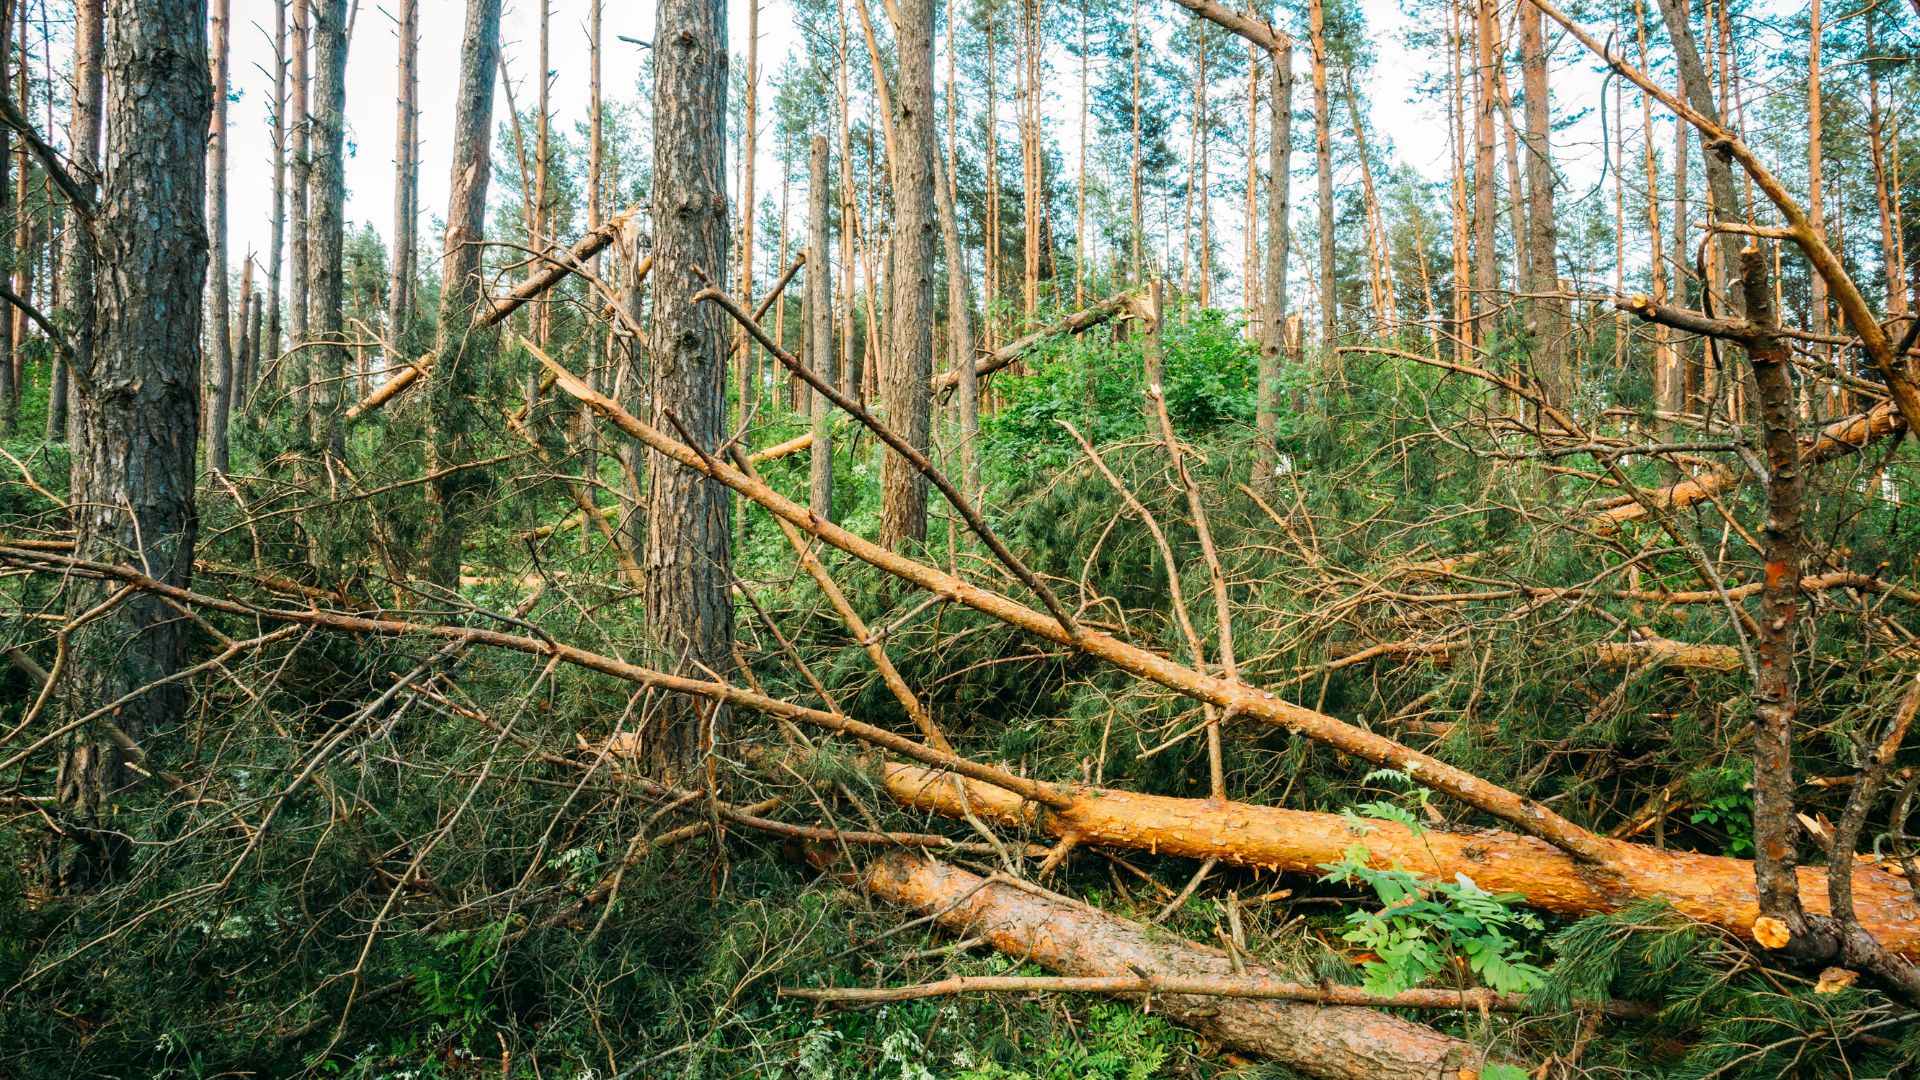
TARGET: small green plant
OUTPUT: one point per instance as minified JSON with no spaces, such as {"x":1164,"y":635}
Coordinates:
{"x":1725,"y":802}
{"x":1424,"y":926}
{"x":452,"y":977}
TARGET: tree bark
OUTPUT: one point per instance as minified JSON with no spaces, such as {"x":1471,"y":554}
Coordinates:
{"x":137,"y":407}
{"x":820,"y":328}
{"x":688,"y":555}
{"x":281,"y":133}
{"x":219,"y":394}
{"x":1712,"y":888}
{"x":325,"y":318}
{"x":1323,"y":157}
{"x":907,"y":401}
{"x":1719,"y":159}
{"x":83,"y":148}
{"x":1486,"y":254}
{"x":1335,"y":1042}
{"x":301,"y":197}
{"x":406,"y":184}
{"x":1279,"y":183}
{"x":1776,"y":833}
{"x":1543,"y":260}
{"x":959,"y":327}
{"x":462,"y":343}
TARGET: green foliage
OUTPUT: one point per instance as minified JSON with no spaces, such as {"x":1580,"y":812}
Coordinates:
{"x":1426,"y":928}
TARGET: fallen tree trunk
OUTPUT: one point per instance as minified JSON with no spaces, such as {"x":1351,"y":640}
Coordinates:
{"x":1838,"y":439}
{"x":1337,"y":1041}
{"x":1709,"y":888}
{"x":1075,"y":323}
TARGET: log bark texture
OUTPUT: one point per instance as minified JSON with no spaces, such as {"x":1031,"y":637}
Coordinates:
{"x":1331,"y":1042}
{"x":1711,"y":888}
{"x":138,"y":409}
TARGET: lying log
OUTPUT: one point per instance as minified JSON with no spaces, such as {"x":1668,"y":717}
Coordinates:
{"x":1710,"y":888}
{"x":573,"y":520}
{"x":1689,"y":655}
{"x":1838,"y":439}
{"x":1335,"y":1042}
{"x":1013,"y":350}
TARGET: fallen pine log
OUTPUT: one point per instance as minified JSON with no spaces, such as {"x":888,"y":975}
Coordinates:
{"x":1710,"y":888}
{"x":1838,"y":439}
{"x":1688,"y":655}
{"x":1255,"y":987}
{"x":1331,"y":1041}
{"x":1013,"y":350}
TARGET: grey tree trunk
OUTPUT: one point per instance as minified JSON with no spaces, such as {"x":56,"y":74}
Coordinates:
{"x":959,"y":329}
{"x":328,"y":218}
{"x":689,"y":560}
{"x":137,"y":409}
{"x":1549,"y":314}
{"x":908,"y":367}
{"x":460,"y":346}
{"x":1279,"y":181}
{"x":406,"y":182}
{"x":820,"y":328}
{"x":280,"y":138}
{"x":300,"y":131}
{"x":83,"y":149}
{"x":219,"y":324}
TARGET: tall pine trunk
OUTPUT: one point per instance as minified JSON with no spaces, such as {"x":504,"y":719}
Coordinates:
{"x":907,"y":399}
{"x":137,"y":410}
{"x":461,"y":347}
{"x":689,"y":561}
{"x":1323,"y":157}
{"x":406,"y":183}
{"x":325,"y":318}
{"x":77,"y":253}
{"x":219,"y":399}
{"x":281,"y":136}
{"x":819,"y":307}
{"x":1279,"y":183}
{"x":1549,"y":314}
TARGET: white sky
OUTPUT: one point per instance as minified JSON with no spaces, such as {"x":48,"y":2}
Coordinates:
{"x":1417,"y":132}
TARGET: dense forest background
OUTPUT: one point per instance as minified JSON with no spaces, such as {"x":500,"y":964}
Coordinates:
{"x":997,"y":539}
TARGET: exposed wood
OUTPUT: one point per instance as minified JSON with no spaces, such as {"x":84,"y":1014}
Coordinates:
{"x":1071,"y":939}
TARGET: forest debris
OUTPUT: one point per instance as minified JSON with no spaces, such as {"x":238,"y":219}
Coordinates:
{"x":1711,"y":888}
{"x":1079,"y":321}
{"x":1770,"y":932}
{"x":1315,"y":1040}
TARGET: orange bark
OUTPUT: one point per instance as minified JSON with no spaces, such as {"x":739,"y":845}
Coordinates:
{"x":1710,"y":888}
{"x":1838,"y":439}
